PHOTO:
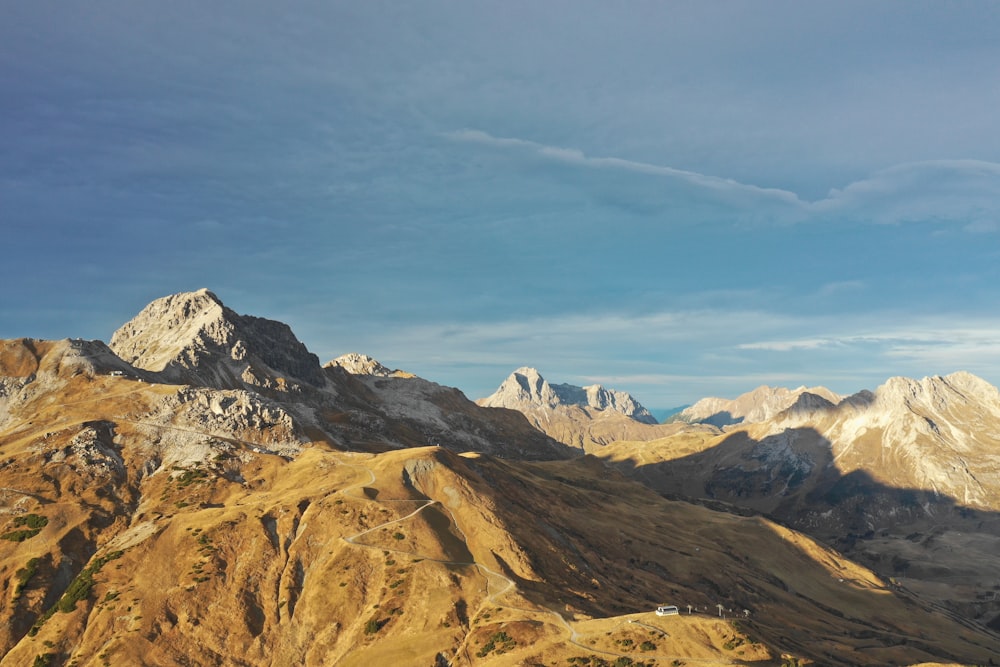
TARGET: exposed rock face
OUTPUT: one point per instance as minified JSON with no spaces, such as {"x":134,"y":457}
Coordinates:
{"x":362,"y":364}
{"x":584,"y":417}
{"x":193,"y":338}
{"x":526,"y":388}
{"x":754,"y":406}
{"x":525,"y":385}
{"x":940,"y":434}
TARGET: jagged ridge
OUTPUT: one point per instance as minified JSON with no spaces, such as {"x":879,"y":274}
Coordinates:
{"x":526,"y":388}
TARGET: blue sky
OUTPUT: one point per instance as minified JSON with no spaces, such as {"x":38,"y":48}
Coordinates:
{"x":678,"y":199}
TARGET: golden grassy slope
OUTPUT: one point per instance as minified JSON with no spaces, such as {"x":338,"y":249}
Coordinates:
{"x":394,"y":558}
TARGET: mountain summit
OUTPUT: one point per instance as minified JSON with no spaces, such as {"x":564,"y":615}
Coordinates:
{"x":194,"y":338}
{"x":362,"y":364}
{"x":526,"y":388}
{"x":584,"y":417}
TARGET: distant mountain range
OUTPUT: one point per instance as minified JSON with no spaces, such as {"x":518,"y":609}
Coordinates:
{"x":202,"y":491}
{"x":525,"y":387}
{"x":582,"y":417}
{"x":757,"y":405}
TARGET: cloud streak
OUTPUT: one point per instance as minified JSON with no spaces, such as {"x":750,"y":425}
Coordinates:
{"x":959,"y":343}
{"x":577,"y":157}
{"x":962,"y":191}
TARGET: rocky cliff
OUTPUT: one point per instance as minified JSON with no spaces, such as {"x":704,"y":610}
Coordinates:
{"x":526,"y":389}
{"x":195,"y":339}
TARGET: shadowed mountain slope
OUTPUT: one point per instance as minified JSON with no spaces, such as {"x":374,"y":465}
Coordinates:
{"x":905,"y":479}
{"x":396,"y":558}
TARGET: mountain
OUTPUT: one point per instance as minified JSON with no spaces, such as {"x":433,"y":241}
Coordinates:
{"x":905,"y":479}
{"x":757,"y":405}
{"x":194,"y":338}
{"x":416,"y":556}
{"x":583,"y":417}
{"x":146,"y":521}
{"x":526,"y":388}
{"x":940,"y":434}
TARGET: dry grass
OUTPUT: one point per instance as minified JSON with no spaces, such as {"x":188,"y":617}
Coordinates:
{"x":298,"y":561}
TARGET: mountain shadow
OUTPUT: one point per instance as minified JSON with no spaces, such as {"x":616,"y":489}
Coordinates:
{"x":918,"y":539}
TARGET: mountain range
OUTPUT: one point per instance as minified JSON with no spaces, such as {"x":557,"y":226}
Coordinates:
{"x":202,"y":491}
{"x":905,"y":479}
{"x":585,"y":418}
{"x":757,"y":405}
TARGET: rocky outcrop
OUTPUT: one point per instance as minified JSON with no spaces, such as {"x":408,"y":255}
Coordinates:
{"x":412,"y":407}
{"x":194,"y":339}
{"x":361,"y":364}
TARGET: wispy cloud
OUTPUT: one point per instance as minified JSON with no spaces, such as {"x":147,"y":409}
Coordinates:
{"x":790,"y":345}
{"x":943,"y":342}
{"x":962,"y":191}
{"x":578,"y":157}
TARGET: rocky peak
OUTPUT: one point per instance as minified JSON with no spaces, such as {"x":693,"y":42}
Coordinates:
{"x":937,"y":392}
{"x":807,"y":403}
{"x":194,"y":338}
{"x":526,"y":388}
{"x":619,"y":401}
{"x":361,"y":364}
{"x":757,"y":405}
{"x":523,"y":388}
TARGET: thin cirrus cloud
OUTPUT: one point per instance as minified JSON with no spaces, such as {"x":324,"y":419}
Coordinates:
{"x":960,"y":191}
{"x":931,"y":343}
{"x":572,"y":156}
